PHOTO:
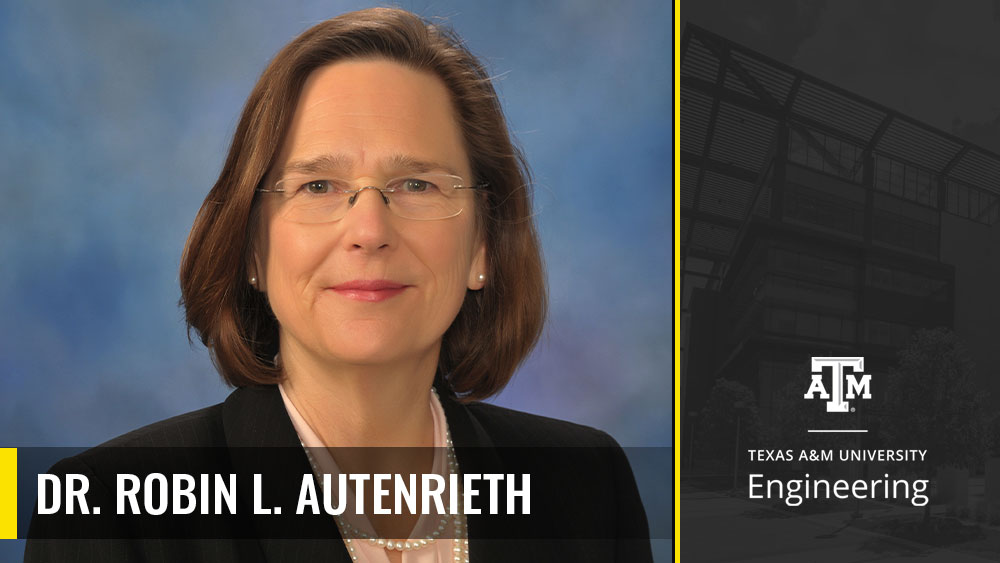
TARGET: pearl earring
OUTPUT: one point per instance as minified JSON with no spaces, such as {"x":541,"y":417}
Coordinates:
{"x":253,"y":280}
{"x":481,"y":277}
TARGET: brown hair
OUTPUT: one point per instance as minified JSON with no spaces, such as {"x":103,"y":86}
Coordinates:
{"x":496,"y":327}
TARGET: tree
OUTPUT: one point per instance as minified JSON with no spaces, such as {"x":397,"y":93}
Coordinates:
{"x":730,"y":404}
{"x":932,"y":404}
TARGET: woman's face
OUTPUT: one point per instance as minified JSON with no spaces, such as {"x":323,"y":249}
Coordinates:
{"x":370,"y":288}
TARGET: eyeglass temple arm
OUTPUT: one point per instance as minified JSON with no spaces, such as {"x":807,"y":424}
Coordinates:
{"x":475,"y":187}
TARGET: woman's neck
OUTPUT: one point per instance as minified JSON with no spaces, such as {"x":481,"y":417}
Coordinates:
{"x":363,"y":405}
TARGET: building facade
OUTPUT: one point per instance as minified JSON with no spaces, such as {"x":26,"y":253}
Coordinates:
{"x":816,"y":222}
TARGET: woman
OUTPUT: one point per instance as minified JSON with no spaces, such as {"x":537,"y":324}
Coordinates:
{"x":365,"y":269}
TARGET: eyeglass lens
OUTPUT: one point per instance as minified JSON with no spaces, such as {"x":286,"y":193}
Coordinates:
{"x":315,"y":199}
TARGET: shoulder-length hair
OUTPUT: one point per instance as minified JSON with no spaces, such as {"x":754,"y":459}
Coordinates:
{"x":496,"y":327}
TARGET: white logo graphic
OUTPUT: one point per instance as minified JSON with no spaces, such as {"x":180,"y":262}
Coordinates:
{"x":840,"y":380}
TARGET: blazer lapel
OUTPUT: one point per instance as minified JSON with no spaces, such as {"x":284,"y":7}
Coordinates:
{"x":477,"y":453}
{"x":254,"y":419}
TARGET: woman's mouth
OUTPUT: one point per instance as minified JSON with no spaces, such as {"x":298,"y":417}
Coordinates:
{"x":369,"y":290}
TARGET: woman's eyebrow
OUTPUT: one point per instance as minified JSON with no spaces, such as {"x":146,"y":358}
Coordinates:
{"x":411,"y":164}
{"x":342,"y":163}
{"x":322,"y":163}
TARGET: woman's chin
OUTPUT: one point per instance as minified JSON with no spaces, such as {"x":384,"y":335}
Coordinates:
{"x":371,"y":352}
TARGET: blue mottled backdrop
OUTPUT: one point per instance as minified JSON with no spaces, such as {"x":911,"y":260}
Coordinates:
{"x":114,"y":120}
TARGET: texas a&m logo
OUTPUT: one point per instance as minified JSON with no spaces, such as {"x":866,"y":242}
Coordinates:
{"x":843,"y":385}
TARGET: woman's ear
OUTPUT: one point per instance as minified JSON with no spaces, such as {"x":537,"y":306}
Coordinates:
{"x":477,"y":272}
{"x":256,"y":269}
{"x":256,"y":263}
{"x":254,"y":280}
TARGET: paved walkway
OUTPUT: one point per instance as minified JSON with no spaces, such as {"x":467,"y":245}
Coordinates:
{"x":719,"y":528}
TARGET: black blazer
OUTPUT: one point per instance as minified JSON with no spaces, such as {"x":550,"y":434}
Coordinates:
{"x":597,"y":507}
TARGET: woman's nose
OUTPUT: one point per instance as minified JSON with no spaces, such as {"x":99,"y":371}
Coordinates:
{"x":368,"y":222}
{"x":354,"y":197}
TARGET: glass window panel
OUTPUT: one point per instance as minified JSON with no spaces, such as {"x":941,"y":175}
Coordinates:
{"x":829,"y":328}
{"x":881,"y":332}
{"x":847,"y":330}
{"x":897,"y":178}
{"x":988,"y":203}
{"x":923,"y":188}
{"x":882,"y":173}
{"x":782,"y":320}
{"x":797,"y":148}
{"x":909,"y":183}
{"x":900,"y":280}
{"x":879,"y":276}
{"x":806,"y":324}
{"x":832,"y":145}
{"x":814,"y":158}
{"x":869,"y":331}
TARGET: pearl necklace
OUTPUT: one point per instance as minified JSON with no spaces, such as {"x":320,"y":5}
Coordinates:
{"x":350,"y":533}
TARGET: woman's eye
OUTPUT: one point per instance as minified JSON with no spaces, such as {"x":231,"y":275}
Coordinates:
{"x":414,"y":186}
{"x":317,"y":187}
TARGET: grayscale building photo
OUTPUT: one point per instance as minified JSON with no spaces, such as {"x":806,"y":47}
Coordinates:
{"x":816,"y":222}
